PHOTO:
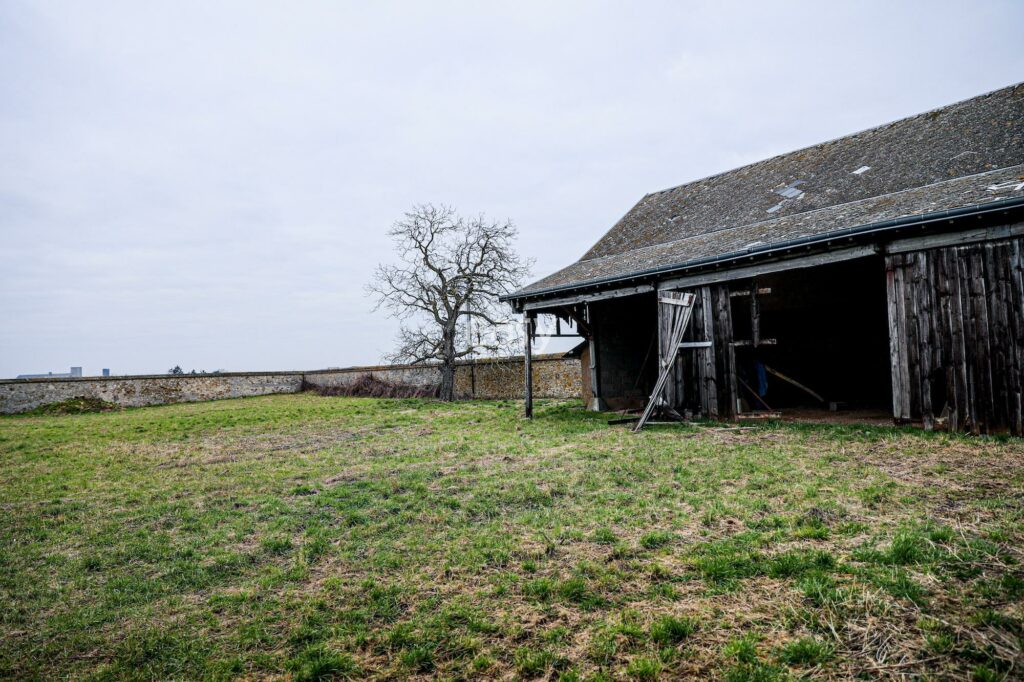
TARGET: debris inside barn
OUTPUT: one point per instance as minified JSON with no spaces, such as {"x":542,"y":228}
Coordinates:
{"x":880,"y":272}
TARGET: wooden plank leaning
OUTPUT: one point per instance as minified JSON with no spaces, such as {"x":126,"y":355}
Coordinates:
{"x":685,"y":301}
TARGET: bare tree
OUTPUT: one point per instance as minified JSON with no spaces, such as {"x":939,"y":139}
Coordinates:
{"x":451,"y":270}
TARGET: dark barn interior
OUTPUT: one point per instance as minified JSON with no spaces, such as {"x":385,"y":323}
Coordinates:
{"x":627,"y":330}
{"x":821,"y":345}
{"x":824,"y":328}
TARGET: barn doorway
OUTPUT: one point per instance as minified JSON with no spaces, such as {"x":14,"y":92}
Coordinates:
{"x":627,"y":353}
{"x":813,"y":343}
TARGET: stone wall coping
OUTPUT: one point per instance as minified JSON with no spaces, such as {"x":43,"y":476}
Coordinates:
{"x":547,"y":357}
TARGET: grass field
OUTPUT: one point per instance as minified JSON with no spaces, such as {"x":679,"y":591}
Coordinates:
{"x":308,"y":537}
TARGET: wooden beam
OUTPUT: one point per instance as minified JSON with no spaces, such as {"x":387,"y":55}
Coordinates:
{"x":588,"y":298}
{"x":725,"y":275}
{"x":695,"y":344}
{"x":581,"y":324}
{"x":755,"y":394}
{"x":755,"y":316}
{"x":528,"y":362}
{"x":796,"y":383}
{"x":686,"y":301}
{"x":761,"y":342}
{"x":934,"y":241}
{"x":747,"y":292}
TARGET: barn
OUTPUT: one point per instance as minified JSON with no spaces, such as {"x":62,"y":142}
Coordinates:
{"x":879,"y":273}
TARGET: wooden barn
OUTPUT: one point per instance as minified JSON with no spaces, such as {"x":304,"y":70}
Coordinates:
{"x":880,"y":273}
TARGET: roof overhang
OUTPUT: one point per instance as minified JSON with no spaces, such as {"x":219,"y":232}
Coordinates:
{"x":732,"y":265}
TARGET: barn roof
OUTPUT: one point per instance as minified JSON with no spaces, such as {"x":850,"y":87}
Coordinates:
{"x":960,"y":156}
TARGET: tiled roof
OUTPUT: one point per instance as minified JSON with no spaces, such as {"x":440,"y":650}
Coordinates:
{"x":961,"y":155}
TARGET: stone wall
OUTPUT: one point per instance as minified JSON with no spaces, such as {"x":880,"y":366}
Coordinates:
{"x":554,"y":376}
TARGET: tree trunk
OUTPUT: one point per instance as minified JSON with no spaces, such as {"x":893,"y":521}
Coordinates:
{"x":447,"y":393}
{"x":448,"y":368}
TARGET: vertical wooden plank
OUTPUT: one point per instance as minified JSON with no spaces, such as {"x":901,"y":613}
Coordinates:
{"x":958,"y":341}
{"x":708,"y":385}
{"x":725,"y":368}
{"x":687,"y":396}
{"x":937,"y":376}
{"x":982,"y":346}
{"x":921,"y":312}
{"x":912,"y":347}
{"x":1012,"y":371}
{"x":678,"y":395}
{"x":662,"y":334}
{"x":993,"y":256}
{"x":945,"y":333}
{"x":969,"y":327}
{"x":755,"y":315}
{"x":1015,"y":300}
{"x":894,"y":265}
{"x":667,"y":315}
{"x":528,"y":363}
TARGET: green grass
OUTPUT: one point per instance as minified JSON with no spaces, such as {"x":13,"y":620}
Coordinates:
{"x":309,"y":538}
{"x":806,"y":651}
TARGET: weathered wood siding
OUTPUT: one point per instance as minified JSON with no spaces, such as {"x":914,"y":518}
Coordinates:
{"x":703,"y":380}
{"x":956,"y":330}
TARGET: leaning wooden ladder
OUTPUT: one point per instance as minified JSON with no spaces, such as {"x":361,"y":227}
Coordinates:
{"x":682,"y":318}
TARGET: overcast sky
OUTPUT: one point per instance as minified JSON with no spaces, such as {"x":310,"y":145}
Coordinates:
{"x":209,"y":183}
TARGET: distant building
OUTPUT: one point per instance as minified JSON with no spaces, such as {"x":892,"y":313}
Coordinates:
{"x":75,"y":372}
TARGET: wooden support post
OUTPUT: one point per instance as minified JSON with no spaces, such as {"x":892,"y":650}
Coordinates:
{"x":528,"y":362}
{"x":707,"y":377}
{"x":725,"y":363}
{"x":755,"y":315}
{"x":597,"y":403}
{"x":898,"y":339}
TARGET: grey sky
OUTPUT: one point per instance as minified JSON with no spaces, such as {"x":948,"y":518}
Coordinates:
{"x":209,"y":184}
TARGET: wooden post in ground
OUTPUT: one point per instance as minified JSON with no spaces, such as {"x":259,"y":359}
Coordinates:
{"x":528,"y":362}
{"x":597,"y":403}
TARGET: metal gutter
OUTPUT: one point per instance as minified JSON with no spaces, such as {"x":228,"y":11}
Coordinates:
{"x":810,"y":240}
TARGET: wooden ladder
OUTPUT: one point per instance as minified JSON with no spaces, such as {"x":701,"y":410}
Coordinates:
{"x":685,"y":303}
